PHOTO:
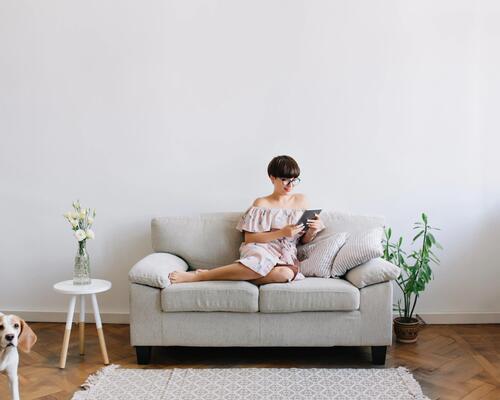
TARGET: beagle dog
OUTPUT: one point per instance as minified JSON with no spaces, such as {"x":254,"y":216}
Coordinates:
{"x":14,"y":333}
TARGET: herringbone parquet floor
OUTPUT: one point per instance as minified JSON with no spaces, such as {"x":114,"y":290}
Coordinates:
{"x":449,"y":361}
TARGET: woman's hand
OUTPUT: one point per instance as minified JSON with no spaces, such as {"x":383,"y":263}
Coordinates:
{"x":315,"y":225}
{"x":292,"y":230}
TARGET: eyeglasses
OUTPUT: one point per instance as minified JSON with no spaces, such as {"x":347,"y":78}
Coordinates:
{"x":293,"y":181}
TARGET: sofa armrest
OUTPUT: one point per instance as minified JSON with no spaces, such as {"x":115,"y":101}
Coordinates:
{"x":375,"y":306}
{"x":374,"y":271}
{"x":153,"y":269}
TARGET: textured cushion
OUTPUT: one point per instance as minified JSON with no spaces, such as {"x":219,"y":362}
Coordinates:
{"x":309,"y":294}
{"x":153,"y":269}
{"x":236,"y":296}
{"x":374,"y":271}
{"x":358,"y":248}
{"x":319,"y":256}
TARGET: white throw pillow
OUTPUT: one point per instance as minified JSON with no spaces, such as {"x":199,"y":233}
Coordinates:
{"x":371,"y":272}
{"x":319,"y":258}
{"x":359,"y":248}
{"x":153,"y":269}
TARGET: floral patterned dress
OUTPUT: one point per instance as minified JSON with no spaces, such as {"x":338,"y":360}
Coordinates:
{"x":263,"y":257}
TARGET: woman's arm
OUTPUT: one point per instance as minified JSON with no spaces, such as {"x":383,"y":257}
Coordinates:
{"x":315,"y":226}
{"x":308,"y":236}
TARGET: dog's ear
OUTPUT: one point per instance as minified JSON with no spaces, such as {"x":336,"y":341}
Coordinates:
{"x":27,"y":338}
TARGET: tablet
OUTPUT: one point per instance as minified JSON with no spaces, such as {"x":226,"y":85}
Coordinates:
{"x":308,"y":214}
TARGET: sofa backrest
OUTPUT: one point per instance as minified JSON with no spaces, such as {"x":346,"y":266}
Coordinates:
{"x":211,"y":240}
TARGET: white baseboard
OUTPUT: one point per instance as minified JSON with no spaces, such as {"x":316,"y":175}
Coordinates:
{"x":123,"y":318}
{"x":460,"y":318}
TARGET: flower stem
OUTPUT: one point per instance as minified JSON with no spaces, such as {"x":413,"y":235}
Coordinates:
{"x":81,"y":246}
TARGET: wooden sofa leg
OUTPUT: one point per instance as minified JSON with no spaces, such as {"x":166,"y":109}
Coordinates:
{"x":378,"y":354}
{"x":143,"y":354}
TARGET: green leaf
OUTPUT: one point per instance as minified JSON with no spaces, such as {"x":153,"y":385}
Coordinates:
{"x":416,"y":237}
{"x":424,"y":218}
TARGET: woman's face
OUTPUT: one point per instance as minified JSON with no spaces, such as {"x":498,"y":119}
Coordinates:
{"x":283,"y":186}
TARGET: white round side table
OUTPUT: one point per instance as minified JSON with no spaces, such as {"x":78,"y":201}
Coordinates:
{"x":67,"y":287}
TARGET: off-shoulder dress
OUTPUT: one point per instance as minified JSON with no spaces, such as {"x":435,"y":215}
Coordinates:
{"x":263,"y":257}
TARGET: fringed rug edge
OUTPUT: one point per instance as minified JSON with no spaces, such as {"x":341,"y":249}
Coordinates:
{"x":92,"y":381}
{"x":411,"y":383}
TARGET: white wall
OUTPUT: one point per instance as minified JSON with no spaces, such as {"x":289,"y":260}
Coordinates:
{"x":149,"y":108}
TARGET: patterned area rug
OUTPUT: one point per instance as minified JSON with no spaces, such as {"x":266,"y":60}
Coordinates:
{"x":112,"y":382}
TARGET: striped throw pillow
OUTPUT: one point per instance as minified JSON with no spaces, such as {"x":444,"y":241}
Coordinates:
{"x":359,"y":248}
{"x":304,"y":250}
{"x":318,"y":259}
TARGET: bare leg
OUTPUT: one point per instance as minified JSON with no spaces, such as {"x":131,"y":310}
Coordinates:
{"x":231,"y":272}
{"x":277,"y":275}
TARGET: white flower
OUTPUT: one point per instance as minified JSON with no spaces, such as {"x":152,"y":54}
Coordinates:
{"x":75,"y":215}
{"x":80,"y":235}
{"x":74,"y":222}
{"x":91,"y":220}
{"x":90,"y":234}
{"x":67,"y":214}
{"x":83,"y":213}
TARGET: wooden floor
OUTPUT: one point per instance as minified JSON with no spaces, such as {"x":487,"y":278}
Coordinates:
{"x":449,"y":361}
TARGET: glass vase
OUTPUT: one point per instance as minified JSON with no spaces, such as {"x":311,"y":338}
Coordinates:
{"x":81,"y":273}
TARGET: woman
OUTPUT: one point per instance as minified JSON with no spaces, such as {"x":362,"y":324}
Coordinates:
{"x":268,"y":253}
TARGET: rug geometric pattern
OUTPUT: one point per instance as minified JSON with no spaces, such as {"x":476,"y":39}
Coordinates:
{"x":112,"y":383}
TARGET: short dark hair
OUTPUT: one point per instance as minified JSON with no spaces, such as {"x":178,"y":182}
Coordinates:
{"x":283,"y":167}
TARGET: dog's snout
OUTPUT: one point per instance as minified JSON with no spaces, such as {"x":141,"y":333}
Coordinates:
{"x":10,"y":338}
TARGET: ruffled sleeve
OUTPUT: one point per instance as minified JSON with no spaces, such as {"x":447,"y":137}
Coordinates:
{"x":255,"y":220}
{"x":262,"y":219}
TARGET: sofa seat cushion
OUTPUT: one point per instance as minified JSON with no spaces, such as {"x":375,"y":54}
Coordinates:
{"x":309,"y":294}
{"x":236,"y":296}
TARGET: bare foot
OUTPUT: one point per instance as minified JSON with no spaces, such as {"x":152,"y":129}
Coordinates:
{"x":181,"y":276}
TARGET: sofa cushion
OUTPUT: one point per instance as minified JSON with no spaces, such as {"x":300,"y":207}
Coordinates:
{"x":236,"y":296}
{"x":309,"y":294}
{"x":206,"y":240}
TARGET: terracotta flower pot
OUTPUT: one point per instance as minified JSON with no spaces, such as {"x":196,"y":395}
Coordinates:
{"x":406,"y":329}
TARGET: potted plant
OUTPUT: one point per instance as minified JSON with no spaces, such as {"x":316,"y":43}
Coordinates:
{"x":415,"y":274}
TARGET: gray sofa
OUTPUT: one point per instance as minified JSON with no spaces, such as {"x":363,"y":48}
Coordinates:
{"x":309,"y":312}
